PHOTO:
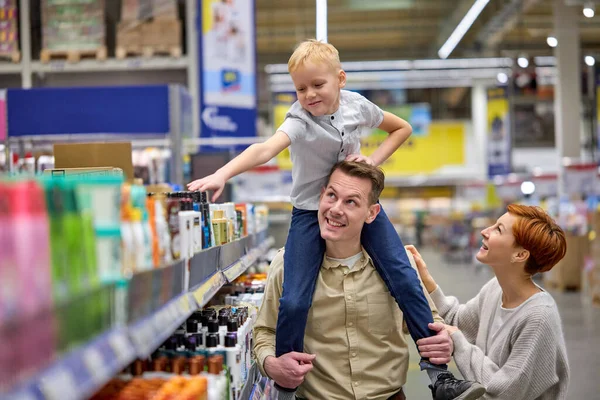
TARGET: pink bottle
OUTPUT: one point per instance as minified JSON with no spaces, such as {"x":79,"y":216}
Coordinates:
{"x":8,"y":292}
{"x":31,"y":240}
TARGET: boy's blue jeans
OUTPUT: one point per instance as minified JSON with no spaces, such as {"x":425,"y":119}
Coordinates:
{"x":303,"y":256}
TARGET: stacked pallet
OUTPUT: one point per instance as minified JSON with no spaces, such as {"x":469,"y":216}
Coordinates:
{"x":149,"y":27}
{"x":9,"y":31}
{"x":73,"y":29}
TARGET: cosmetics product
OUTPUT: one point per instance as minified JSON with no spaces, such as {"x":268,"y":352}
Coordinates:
{"x":219,"y":225}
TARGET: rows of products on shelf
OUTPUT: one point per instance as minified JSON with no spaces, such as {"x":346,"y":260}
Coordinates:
{"x":72,"y":248}
{"x":209,"y":356}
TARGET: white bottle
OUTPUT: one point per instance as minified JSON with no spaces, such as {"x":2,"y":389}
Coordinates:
{"x":186,"y":224}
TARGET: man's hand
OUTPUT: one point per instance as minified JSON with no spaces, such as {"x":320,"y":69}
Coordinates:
{"x":289,"y":370}
{"x":212,"y":182}
{"x":360,"y":158}
{"x":438,"y":348}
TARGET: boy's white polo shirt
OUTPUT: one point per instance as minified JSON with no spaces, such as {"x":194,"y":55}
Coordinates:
{"x":319,"y":142}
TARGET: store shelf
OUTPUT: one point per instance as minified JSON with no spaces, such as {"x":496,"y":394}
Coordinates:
{"x":85,"y":369}
{"x":7,"y":68}
{"x":148,"y":334}
{"x":112,"y":65}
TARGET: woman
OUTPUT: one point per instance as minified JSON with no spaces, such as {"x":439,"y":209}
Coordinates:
{"x":509,"y":337}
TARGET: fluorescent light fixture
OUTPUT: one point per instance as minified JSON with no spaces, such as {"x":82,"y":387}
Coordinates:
{"x":590,"y":61}
{"x":589,"y":10}
{"x":322,"y":20}
{"x":523,"y":62}
{"x":552,"y":42}
{"x":527,"y":188}
{"x":502,"y":78}
{"x":462,"y":28}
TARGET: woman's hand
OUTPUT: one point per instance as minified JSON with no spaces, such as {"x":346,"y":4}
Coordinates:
{"x":426,"y":277}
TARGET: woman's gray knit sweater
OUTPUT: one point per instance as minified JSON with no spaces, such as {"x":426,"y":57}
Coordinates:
{"x":527,"y":361}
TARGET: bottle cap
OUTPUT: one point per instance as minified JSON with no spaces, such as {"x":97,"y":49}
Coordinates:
{"x":230,"y":340}
{"x":232,"y":325}
{"x":191,"y":326}
{"x":212,"y":340}
{"x":213,"y":326}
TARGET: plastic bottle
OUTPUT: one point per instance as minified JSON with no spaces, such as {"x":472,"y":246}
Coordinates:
{"x":219,"y":225}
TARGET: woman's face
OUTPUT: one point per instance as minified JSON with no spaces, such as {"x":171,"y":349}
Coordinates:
{"x":498,"y":242}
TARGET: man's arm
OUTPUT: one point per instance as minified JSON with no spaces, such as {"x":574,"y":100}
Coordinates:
{"x":289,"y":369}
{"x":266,"y":321}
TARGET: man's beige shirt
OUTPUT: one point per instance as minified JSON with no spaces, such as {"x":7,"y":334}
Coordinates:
{"x":354,"y":327}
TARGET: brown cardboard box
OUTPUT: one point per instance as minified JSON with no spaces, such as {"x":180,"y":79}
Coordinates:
{"x":95,"y":155}
{"x":162,"y":33}
{"x":567,"y":273}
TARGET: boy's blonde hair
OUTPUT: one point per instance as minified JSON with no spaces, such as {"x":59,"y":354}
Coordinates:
{"x":314,"y":51}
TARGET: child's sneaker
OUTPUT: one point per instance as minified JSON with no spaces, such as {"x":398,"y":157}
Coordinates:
{"x":447,"y":387}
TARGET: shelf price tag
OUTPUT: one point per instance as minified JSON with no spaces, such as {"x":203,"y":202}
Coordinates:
{"x":234,"y":271}
{"x":121,"y":347}
{"x":207,"y":290}
{"x":59,"y":385}
{"x":96,"y":366}
{"x":184,"y":304}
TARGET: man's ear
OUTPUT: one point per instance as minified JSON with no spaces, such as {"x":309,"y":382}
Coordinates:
{"x":342,"y":78}
{"x":520,"y":256}
{"x":373,"y":212}
{"x":322,"y":191}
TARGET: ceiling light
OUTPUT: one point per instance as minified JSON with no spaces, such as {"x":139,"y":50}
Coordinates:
{"x":462,"y":28}
{"x":502,"y":78}
{"x":552,"y":42}
{"x":527,"y":188}
{"x":590,"y":61}
{"x":523,"y":62}
{"x":321,"y":20}
{"x":589,"y":10}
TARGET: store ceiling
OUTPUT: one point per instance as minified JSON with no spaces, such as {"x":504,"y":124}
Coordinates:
{"x":413,"y":29}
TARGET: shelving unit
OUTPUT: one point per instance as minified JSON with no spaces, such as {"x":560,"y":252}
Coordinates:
{"x":29,"y":67}
{"x":82,"y":371}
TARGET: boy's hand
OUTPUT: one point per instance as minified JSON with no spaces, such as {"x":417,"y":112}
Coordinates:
{"x":360,"y":158}
{"x":212,"y":182}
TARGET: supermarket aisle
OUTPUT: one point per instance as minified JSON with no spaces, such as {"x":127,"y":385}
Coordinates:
{"x":580,"y":322}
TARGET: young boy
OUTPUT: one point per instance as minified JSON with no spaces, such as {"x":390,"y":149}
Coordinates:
{"x":321,"y":128}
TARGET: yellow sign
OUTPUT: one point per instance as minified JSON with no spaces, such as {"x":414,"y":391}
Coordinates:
{"x":443,"y":145}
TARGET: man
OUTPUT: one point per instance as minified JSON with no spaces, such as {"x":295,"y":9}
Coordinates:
{"x":354,"y":345}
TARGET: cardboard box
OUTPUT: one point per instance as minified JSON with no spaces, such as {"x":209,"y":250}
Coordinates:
{"x":162,"y":33}
{"x":83,"y":172}
{"x":568,"y":272}
{"x":95,"y":155}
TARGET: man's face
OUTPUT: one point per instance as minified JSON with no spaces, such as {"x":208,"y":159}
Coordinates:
{"x":344,"y":207}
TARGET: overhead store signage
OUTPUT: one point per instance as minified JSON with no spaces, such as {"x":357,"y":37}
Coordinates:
{"x":498,"y":128}
{"x":227,"y":68}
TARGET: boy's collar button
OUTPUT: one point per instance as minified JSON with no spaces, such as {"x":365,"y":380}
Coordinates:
{"x":332,"y":117}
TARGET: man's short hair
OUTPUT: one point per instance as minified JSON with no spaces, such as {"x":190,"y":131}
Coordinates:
{"x":316,"y":52}
{"x":364,"y":171}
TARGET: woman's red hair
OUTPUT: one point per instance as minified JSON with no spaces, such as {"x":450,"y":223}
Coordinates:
{"x":537,"y":232}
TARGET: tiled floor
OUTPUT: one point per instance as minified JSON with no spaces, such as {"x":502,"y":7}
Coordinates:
{"x":581,"y":328}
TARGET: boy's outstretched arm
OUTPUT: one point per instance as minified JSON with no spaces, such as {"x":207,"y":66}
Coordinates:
{"x":256,"y":154}
{"x":399,"y":130}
